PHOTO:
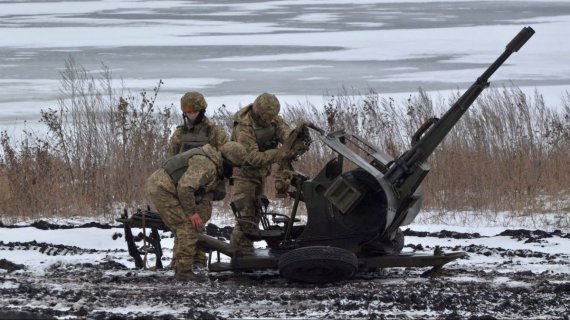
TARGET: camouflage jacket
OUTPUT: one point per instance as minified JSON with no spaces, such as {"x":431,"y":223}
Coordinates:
{"x":257,"y":162}
{"x":196,"y":186}
{"x":217,"y":136}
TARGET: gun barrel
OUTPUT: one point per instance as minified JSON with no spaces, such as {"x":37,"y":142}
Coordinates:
{"x":514,"y":46}
{"x":520,"y":39}
{"x":408,"y":162}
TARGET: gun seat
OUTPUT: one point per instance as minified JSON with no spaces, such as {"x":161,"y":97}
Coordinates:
{"x":272,"y":231}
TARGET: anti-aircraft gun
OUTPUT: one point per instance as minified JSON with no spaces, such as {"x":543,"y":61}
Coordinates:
{"x":353,"y":217}
{"x":388,"y":187}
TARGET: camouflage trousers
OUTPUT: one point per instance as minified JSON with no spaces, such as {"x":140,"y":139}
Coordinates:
{"x":246,"y":190}
{"x":163,"y":194}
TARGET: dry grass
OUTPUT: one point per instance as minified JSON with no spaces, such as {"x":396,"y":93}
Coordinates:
{"x":503,"y":156}
{"x":509,"y":152}
{"x":101,"y":146}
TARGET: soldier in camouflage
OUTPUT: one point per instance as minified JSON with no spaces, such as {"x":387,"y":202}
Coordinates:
{"x":197,"y":131}
{"x":182,"y":192}
{"x":259,"y":129}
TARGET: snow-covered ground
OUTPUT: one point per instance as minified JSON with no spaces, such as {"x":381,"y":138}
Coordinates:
{"x":302,"y":50}
{"x":510,"y":272}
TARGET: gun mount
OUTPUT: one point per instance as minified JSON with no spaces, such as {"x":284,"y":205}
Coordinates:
{"x":353,"y":217}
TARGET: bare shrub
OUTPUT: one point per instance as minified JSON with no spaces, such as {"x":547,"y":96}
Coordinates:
{"x":509,"y":152}
{"x":101,"y":146}
{"x":500,"y":156}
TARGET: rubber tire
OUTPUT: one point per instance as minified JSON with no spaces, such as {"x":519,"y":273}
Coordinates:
{"x":318,"y":264}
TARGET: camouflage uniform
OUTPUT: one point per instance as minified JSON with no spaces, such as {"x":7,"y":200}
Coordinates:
{"x":189,"y":136}
{"x":184,"y":186}
{"x":193,"y":135}
{"x":260,"y":141}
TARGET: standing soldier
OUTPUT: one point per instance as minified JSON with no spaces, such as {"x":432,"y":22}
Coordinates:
{"x":259,"y":129}
{"x":182,"y":192}
{"x":197,"y":131}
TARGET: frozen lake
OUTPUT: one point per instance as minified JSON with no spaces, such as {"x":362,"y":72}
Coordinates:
{"x":299,"y":49}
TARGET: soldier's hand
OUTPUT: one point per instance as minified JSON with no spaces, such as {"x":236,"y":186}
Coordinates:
{"x":196,"y":221}
{"x":282,"y":154}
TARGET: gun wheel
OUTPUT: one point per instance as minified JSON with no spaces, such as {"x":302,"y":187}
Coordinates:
{"x":318,"y":264}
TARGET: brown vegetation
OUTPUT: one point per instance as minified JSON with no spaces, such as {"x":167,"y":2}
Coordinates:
{"x":101,"y":146}
{"x":509,"y":152}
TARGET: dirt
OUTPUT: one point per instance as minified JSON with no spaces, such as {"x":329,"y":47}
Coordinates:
{"x":500,"y":289}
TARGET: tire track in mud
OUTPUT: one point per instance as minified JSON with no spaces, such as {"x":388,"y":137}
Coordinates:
{"x":389,"y":296}
{"x":111,"y":290}
{"x":51,"y":249}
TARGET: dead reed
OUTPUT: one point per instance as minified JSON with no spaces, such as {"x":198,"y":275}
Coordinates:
{"x":101,"y":146}
{"x":509,"y":152}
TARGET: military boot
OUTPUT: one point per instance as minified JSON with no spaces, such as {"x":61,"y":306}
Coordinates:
{"x":183,"y":270}
{"x":184,"y":276}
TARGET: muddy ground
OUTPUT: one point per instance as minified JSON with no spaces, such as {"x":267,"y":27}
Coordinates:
{"x":491,"y":283}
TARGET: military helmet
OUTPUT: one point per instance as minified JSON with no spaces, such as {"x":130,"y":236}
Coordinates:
{"x":233,"y":152}
{"x":266,"y":104}
{"x":192,"y":101}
